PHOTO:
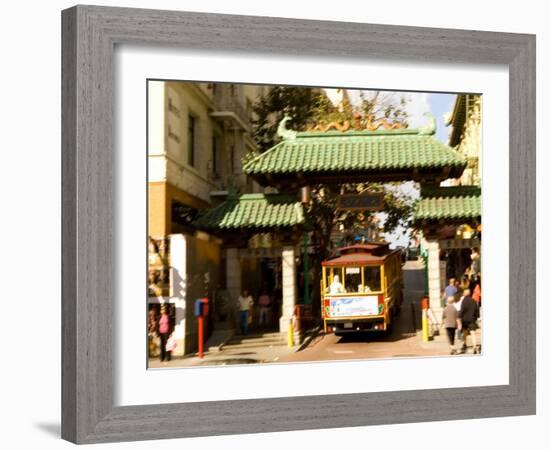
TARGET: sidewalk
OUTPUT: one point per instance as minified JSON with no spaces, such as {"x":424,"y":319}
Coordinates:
{"x":439,"y":341}
{"x":251,"y":349}
{"x":438,"y":336}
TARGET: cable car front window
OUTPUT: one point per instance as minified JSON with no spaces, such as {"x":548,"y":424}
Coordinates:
{"x":372,"y":278}
{"x":353,"y":281}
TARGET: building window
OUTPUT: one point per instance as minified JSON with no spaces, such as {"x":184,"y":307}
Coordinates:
{"x":249,"y":110}
{"x":191,"y":135}
{"x":232,"y":159}
{"x":173,"y":108}
{"x":215,"y":155}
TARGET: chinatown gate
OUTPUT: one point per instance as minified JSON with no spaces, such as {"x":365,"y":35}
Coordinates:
{"x":333,"y":158}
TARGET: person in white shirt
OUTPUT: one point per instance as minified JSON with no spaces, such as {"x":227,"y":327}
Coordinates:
{"x":458,"y":305}
{"x":465,"y":293}
{"x":336,"y":287}
{"x":245,"y":302}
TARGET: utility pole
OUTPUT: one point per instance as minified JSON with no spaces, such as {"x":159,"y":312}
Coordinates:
{"x":306,"y":270}
{"x":306,"y":198}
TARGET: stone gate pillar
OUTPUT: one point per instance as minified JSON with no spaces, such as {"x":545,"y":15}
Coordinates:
{"x":434,"y":276}
{"x":178,"y":289}
{"x":289,"y":287}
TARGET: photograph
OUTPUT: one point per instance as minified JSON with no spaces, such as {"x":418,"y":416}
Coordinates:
{"x":297,"y":224}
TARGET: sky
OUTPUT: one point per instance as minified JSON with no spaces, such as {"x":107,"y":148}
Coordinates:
{"x":438,"y":105}
{"x":419,"y":103}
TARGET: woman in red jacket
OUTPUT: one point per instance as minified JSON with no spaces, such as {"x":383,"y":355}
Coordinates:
{"x":164,"y":331}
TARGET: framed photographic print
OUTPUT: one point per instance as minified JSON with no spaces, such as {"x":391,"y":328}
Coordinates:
{"x":314,"y":224}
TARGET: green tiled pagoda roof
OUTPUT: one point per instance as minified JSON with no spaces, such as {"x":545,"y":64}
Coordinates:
{"x":253,"y":212}
{"x":449,"y":203}
{"x":355,"y":151}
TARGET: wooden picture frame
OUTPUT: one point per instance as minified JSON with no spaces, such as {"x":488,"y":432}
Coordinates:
{"x":89,"y":36}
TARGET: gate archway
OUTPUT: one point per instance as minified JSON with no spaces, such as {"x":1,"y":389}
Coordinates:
{"x":333,"y":158}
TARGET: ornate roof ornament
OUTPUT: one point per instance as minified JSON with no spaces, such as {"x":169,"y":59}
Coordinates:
{"x":360,"y":123}
{"x":371,"y":125}
{"x":430,"y":127}
{"x":332,"y":126}
{"x":283,"y":132}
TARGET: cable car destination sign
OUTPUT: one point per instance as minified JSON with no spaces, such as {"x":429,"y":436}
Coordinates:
{"x":361,"y":202}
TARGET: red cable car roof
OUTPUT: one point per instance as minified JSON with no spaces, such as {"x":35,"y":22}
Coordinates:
{"x":370,"y":247}
{"x":371,"y":253}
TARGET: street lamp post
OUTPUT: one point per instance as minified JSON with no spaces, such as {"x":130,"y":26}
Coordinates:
{"x":306,"y":271}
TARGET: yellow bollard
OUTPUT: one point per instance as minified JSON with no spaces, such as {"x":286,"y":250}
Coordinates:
{"x":425,"y":326}
{"x":290,"y":334}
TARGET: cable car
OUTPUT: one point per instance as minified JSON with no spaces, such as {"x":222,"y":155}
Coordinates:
{"x":361,"y":288}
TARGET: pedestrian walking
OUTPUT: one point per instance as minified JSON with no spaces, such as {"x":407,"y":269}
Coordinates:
{"x":476,"y":295}
{"x":472,"y":283}
{"x":464,"y":283}
{"x":451,"y":289}
{"x":164,"y":332}
{"x":458,"y":304}
{"x":467,"y":321}
{"x":449,"y":320}
{"x":265,"y":308}
{"x":245,"y":303}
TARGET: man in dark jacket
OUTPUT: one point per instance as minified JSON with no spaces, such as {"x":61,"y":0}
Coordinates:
{"x":467,"y":320}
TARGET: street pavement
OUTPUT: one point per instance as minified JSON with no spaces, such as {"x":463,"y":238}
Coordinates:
{"x":405,"y":340}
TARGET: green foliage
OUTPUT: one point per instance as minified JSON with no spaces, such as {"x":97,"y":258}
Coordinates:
{"x":300,"y":103}
{"x":326,"y":112}
{"x":384,"y":105}
{"x":398,"y":207}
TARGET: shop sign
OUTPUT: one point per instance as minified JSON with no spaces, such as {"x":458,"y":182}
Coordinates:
{"x":361,"y":202}
{"x":447,"y":244}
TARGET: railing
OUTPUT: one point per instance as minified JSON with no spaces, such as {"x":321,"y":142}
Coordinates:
{"x":232,"y":104}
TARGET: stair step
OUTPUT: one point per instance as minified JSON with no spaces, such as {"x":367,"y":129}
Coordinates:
{"x":254,"y":343}
{"x":234,"y":341}
{"x":228,"y":348}
{"x":240,"y":339}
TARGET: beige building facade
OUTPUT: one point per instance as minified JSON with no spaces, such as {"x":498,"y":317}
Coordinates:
{"x":465,"y":136}
{"x":197,"y":135}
